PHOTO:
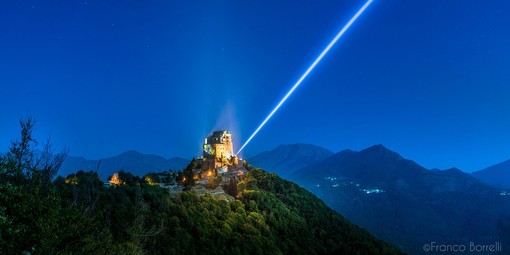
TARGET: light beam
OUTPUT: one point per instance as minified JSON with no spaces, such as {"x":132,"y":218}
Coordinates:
{"x":305,"y":74}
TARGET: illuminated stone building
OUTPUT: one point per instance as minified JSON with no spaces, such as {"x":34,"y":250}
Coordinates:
{"x":219,"y":151}
{"x":218,"y":157}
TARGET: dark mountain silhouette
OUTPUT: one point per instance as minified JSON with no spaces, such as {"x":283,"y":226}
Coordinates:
{"x":497,"y":175}
{"x":285,"y":159}
{"x":405,"y":204}
{"x":132,"y":161}
{"x":78,"y":214}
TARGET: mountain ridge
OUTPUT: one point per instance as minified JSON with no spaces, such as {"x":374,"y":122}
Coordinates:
{"x":385,"y":193}
{"x":136,"y":162}
{"x":497,"y":175}
{"x":284,"y":158}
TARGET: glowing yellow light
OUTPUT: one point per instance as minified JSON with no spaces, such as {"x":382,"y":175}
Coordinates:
{"x":72,"y":180}
{"x":116,"y":179}
{"x":150,"y":181}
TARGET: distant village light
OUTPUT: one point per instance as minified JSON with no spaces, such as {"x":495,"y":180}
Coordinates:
{"x":72,"y":180}
{"x":150,"y":181}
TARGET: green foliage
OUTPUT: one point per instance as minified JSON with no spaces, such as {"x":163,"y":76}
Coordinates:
{"x":303,"y":224}
{"x":79,"y":215}
{"x":21,"y":155}
{"x":188,"y":175}
{"x":231,"y":188}
{"x":151,"y":178}
{"x":35,"y":216}
{"x":128,"y":178}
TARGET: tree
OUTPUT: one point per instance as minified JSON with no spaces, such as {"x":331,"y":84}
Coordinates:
{"x":128,"y":178}
{"x":138,"y":230}
{"x":31,"y":208}
{"x":21,"y":155}
{"x":24,"y":165}
{"x":152,"y":179}
{"x":189,"y":174}
{"x":48,"y":163}
{"x":231,"y":188}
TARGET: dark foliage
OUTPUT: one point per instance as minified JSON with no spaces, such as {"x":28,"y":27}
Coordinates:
{"x":79,"y":215}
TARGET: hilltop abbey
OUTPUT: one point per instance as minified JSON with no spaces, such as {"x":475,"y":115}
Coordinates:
{"x":218,"y":159}
{"x":218,"y":152}
{"x":218,"y":168}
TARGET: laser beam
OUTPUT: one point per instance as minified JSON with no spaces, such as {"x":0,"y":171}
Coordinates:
{"x":305,"y":74}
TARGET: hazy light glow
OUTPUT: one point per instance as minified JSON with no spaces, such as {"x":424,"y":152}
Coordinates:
{"x":305,"y":74}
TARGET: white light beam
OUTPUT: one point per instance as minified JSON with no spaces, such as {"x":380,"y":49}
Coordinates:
{"x":317,"y":60}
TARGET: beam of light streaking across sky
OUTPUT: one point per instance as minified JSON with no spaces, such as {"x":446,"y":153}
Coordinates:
{"x":305,"y":74}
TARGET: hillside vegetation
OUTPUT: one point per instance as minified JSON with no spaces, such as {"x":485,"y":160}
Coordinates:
{"x":79,"y":215}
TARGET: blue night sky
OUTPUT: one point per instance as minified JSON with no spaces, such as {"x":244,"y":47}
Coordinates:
{"x":429,"y":79}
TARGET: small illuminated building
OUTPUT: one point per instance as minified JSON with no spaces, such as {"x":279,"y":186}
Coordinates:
{"x":115,"y":180}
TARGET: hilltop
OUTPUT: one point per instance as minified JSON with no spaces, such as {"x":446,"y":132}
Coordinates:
{"x":78,"y":214}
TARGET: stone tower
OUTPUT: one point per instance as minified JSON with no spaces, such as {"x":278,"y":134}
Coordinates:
{"x":219,"y":151}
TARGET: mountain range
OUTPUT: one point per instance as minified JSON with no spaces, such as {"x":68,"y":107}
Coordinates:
{"x":133,"y":161}
{"x":264,"y":214}
{"x":497,"y":175}
{"x":285,"y":159}
{"x":394,"y":198}
{"x":403,"y":203}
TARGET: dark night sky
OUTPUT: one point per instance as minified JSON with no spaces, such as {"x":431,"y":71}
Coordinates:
{"x":430,"y":79}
